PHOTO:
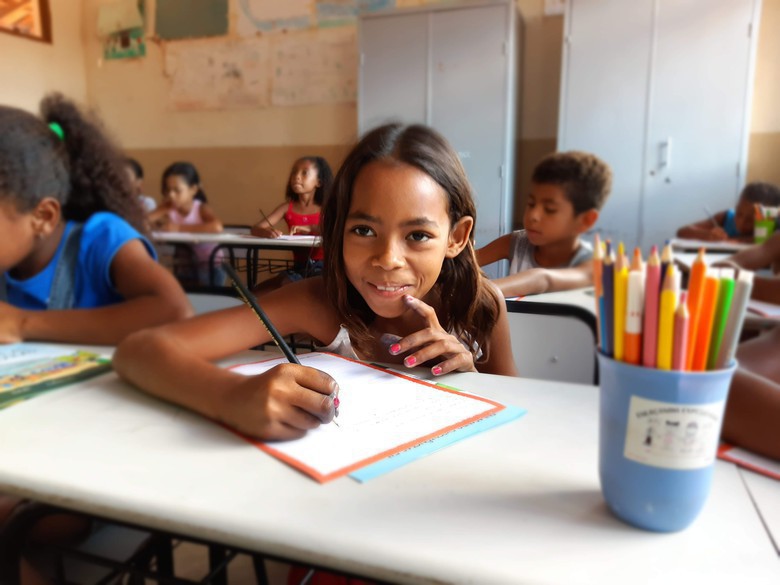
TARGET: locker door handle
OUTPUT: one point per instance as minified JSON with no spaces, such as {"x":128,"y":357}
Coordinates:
{"x":665,"y":154}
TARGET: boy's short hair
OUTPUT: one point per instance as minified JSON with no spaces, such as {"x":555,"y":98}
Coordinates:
{"x":138,"y":170}
{"x":762,"y":193}
{"x":586,"y":179}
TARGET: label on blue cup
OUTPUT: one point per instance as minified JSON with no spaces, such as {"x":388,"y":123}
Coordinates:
{"x":672,"y":436}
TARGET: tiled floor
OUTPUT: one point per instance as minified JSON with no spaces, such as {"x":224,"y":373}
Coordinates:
{"x":191,"y":562}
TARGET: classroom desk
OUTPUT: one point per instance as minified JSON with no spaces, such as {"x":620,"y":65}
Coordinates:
{"x":249,"y":245}
{"x":765,"y":492}
{"x":728,"y":247}
{"x":517,"y":504}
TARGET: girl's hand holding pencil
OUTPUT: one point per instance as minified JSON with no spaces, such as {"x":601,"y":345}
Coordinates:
{"x":280,"y":404}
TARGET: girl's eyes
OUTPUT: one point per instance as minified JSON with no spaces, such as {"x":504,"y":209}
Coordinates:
{"x":362,"y":230}
{"x":550,"y":211}
{"x":419,"y":237}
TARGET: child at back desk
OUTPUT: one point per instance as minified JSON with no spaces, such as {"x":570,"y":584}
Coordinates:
{"x":184,"y":209}
{"x":567,"y":191}
{"x":402,"y":286}
{"x":753,"y":410}
{"x":734,"y":224}
{"x":135,"y":172}
{"x":75,"y":265}
{"x":310,"y":179}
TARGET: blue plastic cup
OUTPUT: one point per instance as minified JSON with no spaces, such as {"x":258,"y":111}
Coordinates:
{"x":658,"y":437}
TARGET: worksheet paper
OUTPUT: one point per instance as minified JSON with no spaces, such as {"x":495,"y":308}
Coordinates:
{"x":381,"y":413}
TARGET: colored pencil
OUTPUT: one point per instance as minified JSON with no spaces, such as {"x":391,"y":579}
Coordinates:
{"x":667,"y":258}
{"x":739,"y":303}
{"x":681,"y":331}
{"x":621,"y":285}
{"x":706,"y":317}
{"x":609,"y":303}
{"x":725,"y":294}
{"x":666,"y":308}
{"x":634,"y":306}
{"x":598,"y":285}
{"x":652,"y":290}
{"x":695,"y":290}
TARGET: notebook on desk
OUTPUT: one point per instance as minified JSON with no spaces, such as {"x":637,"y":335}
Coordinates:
{"x":764,"y":309}
{"x":382,"y":413}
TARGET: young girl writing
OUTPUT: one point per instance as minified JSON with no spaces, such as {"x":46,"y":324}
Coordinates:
{"x":184,"y":210}
{"x":397,"y":230}
{"x":73,"y":244}
{"x":310,"y":178}
{"x":72,"y":235}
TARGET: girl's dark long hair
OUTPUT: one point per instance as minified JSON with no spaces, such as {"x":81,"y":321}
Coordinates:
{"x":83,"y":170}
{"x":468,"y":307}
{"x":324,"y":174}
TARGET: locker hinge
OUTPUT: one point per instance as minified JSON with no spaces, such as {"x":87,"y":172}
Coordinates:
{"x":750,"y":30}
{"x":501,"y":171}
{"x":503,"y":49}
{"x":362,"y":59}
{"x":738,"y":168}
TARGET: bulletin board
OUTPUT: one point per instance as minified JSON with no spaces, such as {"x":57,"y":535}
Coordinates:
{"x":276,"y":53}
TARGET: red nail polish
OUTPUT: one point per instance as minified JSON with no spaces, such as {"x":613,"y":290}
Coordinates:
{"x":395,"y":348}
{"x":336,"y":402}
{"x":410,"y":361}
{"x":436,"y":370}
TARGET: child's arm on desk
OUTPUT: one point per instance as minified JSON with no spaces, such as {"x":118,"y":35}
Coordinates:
{"x":173,"y":362}
{"x":496,"y":250}
{"x":759,"y":256}
{"x":540,"y":280}
{"x":752,"y":417}
{"x":707,"y":229}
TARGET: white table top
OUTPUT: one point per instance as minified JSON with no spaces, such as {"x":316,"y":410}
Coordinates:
{"x":765,"y":492}
{"x":236,"y":240}
{"x":580,"y":297}
{"x":694,"y":245}
{"x":517,"y":504}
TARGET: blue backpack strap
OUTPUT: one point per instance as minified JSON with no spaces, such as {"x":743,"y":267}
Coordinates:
{"x":63,"y":285}
{"x":3,"y":293}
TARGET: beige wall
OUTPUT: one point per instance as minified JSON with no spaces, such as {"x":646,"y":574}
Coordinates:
{"x":34,"y":68}
{"x":244,"y":155}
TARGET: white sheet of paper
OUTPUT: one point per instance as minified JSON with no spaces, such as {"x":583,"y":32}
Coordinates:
{"x":381,"y":413}
{"x":764,"y":309}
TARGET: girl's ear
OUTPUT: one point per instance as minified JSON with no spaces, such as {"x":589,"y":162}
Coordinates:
{"x":459,"y":236}
{"x":46,"y":216}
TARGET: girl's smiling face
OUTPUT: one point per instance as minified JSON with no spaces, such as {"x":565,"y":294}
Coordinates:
{"x":397,"y":235}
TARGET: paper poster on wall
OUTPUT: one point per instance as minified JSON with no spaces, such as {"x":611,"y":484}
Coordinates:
{"x":262,"y":16}
{"x":314,"y":67}
{"x":121,"y":25}
{"x":218,"y":74}
{"x":345,"y":12}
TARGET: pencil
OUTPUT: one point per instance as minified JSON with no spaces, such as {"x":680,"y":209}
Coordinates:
{"x":652,"y":286}
{"x":666,"y":309}
{"x":739,"y":304}
{"x":250,"y":300}
{"x":609,"y":306}
{"x":667,"y":258}
{"x":695,"y":289}
{"x":634,"y":304}
{"x":598,"y":290}
{"x":725,"y":294}
{"x":619,"y":295}
{"x":681,"y":332}
{"x":709,"y":301}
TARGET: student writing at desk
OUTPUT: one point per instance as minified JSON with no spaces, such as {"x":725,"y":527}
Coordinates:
{"x":402,"y":286}
{"x":76,"y":266}
{"x":737,"y":223}
{"x":184,"y":209}
{"x":753,"y":410}
{"x":567,"y":191}
{"x":310,"y":179}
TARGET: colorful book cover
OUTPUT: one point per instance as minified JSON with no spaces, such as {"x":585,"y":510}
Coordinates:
{"x":30,"y":369}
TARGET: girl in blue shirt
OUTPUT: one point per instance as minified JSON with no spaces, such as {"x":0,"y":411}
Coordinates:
{"x":61,"y":179}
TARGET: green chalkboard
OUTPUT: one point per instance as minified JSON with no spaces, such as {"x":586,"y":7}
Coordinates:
{"x":184,"y":19}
